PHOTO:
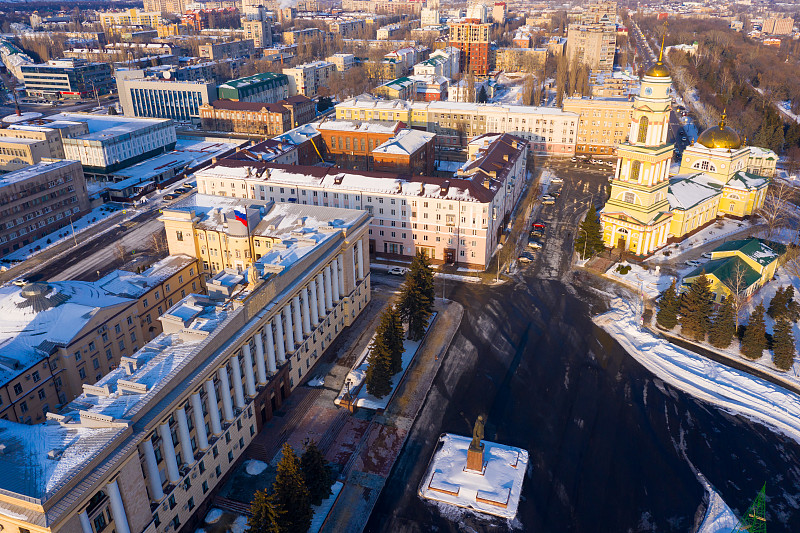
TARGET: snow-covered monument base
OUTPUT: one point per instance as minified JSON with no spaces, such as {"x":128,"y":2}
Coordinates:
{"x":494,"y":489}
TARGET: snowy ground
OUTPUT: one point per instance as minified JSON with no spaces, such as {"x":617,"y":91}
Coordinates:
{"x":501,"y":480}
{"x":651,"y":281}
{"x":765,"y":295}
{"x":730,"y":389}
{"x":510,"y":95}
{"x":321,"y":511}
{"x":94,"y":216}
{"x":719,"y":231}
{"x":254,"y":467}
{"x":719,"y":517}
{"x":357,"y":375}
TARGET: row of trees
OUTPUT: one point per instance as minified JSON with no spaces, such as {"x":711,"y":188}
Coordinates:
{"x":589,"y":240}
{"x":694,"y":311}
{"x":300,"y":483}
{"x":415,"y":307}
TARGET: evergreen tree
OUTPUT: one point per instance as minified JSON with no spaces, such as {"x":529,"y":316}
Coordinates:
{"x":316,"y":472}
{"x":668,"y":307}
{"x":754,"y":340}
{"x":784,"y":304}
{"x":266,"y":514}
{"x":589,"y":240}
{"x":783,"y":346}
{"x":778,"y":304}
{"x":291,"y":494}
{"x":482,"y":96}
{"x":696,"y":306}
{"x":395,"y":335}
{"x":379,"y":374}
{"x":416,"y":300}
{"x":723,"y":328}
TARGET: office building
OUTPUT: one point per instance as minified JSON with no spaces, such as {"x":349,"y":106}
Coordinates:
{"x":551,"y":131}
{"x":258,"y":31}
{"x":51,"y":136}
{"x":593,"y":45}
{"x":67,"y":78}
{"x":264,"y":87}
{"x":145,"y":447}
{"x":61,"y":335}
{"x":39,"y":199}
{"x":114,"y":142}
{"x":258,"y":118}
{"x":163,"y":98}
{"x":16,"y":153}
{"x":455,"y":220}
{"x":306,"y":79}
{"x":231,"y":49}
{"x":603,"y":123}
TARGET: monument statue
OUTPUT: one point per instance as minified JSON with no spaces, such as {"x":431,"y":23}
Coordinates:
{"x":477,"y":434}
{"x":252,"y":276}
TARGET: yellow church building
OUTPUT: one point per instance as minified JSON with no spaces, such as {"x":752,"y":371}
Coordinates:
{"x":647,"y":206}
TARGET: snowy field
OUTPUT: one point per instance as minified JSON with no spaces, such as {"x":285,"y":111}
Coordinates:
{"x":495,"y":491}
{"x":95,"y":216}
{"x":719,"y":231}
{"x":733,"y":390}
{"x":358,"y":374}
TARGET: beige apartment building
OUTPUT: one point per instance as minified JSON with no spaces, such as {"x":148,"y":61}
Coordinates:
{"x":144,"y":449}
{"x":548,"y":130}
{"x":456,"y":220}
{"x":130,"y":17}
{"x":61,"y":335}
{"x":52,"y":135}
{"x":39,"y":199}
{"x":258,"y":31}
{"x":603,"y":123}
{"x":593,"y":44}
{"x":308,"y":78}
{"x":18,"y":153}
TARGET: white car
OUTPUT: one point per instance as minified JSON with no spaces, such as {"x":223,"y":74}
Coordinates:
{"x":397,"y":271}
{"x":556,"y":179}
{"x":693,"y":263}
{"x":548,"y":200}
{"x":706,"y":255}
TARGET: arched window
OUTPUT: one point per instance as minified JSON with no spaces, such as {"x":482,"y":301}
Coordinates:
{"x":704,"y":165}
{"x":629,"y":197}
{"x":636,"y":168}
{"x":642,"y":137}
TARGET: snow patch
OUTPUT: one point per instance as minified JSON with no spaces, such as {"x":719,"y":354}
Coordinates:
{"x":213,"y":516}
{"x":322,"y":510}
{"x":254,"y":467}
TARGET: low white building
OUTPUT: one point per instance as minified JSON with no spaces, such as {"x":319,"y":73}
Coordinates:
{"x":114,"y":142}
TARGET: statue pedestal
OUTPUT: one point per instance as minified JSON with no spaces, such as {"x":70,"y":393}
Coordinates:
{"x":475,"y":459}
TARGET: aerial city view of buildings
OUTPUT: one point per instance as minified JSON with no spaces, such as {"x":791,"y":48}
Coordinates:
{"x":384,"y":265}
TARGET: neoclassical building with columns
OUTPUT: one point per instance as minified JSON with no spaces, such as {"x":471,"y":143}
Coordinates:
{"x":719,"y":176}
{"x":143,"y":449}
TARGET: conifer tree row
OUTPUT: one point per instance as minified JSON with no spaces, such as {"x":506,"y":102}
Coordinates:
{"x":416,"y":300}
{"x":589,"y":240}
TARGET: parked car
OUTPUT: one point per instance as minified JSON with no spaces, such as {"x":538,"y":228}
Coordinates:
{"x":539,"y":224}
{"x":556,"y":179}
{"x":693,"y":263}
{"x":169,"y":197}
{"x":537,"y":233}
{"x":548,"y":200}
{"x":397,"y":271}
{"x":525,"y":257}
{"x":533,"y":243}
{"x":706,"y":255}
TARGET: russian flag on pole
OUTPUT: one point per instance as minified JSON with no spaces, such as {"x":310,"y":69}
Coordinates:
{"x":241,"y":217}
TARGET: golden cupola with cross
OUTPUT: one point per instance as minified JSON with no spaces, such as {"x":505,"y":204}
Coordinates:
{"x":636,"y":217}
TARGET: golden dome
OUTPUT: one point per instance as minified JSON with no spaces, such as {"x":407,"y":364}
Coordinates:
{"x":657,"y":71}
{"x":720,"y":136}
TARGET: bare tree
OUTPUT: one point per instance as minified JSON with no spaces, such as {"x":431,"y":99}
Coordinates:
{"x":158,"y":242}
{"x":777,"y":211}
{"x":120,"y":252}
{"x":738,"y":286}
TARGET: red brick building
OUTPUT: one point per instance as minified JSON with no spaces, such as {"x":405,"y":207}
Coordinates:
{"x":409,"y":152}
{"x":246,"y":117}
{"x":472,"y":38}
{"x":349,"y":143}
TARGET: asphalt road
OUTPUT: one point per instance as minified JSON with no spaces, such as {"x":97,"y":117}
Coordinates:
{"x":612,"y":448}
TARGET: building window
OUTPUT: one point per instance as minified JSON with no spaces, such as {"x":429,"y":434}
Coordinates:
{"x":205,"y":487}
{"x":172,"y":502}
{"x":643,"y":124}
{"x":82,"y":373}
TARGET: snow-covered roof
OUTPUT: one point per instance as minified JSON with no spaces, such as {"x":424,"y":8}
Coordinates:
{"x":106,"y":127}
{"x":757,"y":151}
{"x":33,"y":171}
{"x":299,"y":134}
{"x":689,"y":190}
{"x":744,"y":181}
{"x":759,"y":250}
{"x":374,"y":126}
{"x":367,"y":101}
{"x":405,"y":142}
{"x":133,"y":285}
{"x":188,"y":154}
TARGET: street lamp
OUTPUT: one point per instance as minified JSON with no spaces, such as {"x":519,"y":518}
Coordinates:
{"x":71,"y":225}
{"x":499,"y":247}
{"x":95,"y":92}
{"x":585,"y":238}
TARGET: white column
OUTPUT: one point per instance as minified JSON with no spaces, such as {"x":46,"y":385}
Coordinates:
{"x":199,"y":422}
{"x":306,"y":316}
{"x":271,"y":366}
{"x":118,"y":508}
{"x":238,"y":392}
{"x":260,"y":369}
{"x":280,"y":340}
{"x":213,"y":409}
{"x":321,"y":296}
{"x":153,"y":477}
{"x":225,"y":391}
{"x":183,"y":436}
{"x":173,"y":474}
{"x":328,"y":293}
{"x":298,"y":322}
{"x":312,"y":289}
{"x":86,"y":526}
{"x":335,"y":280}
{"x":288,"y":334}
{"x":360,"y":256}
{"x":340,"y":274}
{"x":249,"y":380}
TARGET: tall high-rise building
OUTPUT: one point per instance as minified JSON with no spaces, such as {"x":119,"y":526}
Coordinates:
{"x":165,"y":6}
{"x":472,"y":38}
{"x":593,"y":44}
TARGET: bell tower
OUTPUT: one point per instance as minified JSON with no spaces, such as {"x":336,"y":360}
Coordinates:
{"x":637,"y":215}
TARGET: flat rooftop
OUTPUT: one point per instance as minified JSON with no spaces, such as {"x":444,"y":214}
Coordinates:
{"x":103,"y":127}
{"x":33,"y":171}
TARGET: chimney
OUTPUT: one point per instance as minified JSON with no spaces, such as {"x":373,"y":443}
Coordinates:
{"x":505,"y":157}
{"x":445,"y":187}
